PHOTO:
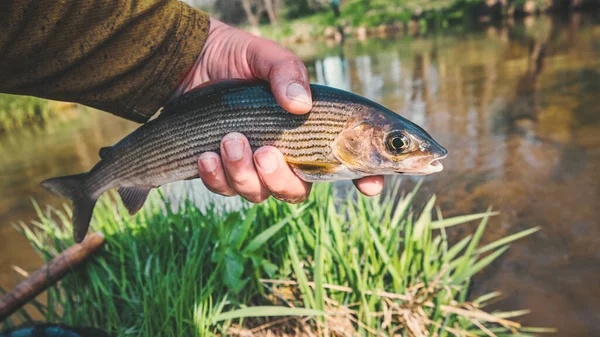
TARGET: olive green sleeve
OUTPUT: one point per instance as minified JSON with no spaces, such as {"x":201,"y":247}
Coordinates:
{"x":122,"y":56}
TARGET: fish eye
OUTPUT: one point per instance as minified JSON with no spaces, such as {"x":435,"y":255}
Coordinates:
{"x":397,"y":142}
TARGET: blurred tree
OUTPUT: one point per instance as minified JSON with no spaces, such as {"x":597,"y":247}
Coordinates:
{"x":273,"y":10}
{"x":253,"y":10}
{"x":229,"y":11}
{"x":298,"y":8}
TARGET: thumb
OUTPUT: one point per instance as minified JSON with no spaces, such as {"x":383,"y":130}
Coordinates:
{"x":284,"y":71}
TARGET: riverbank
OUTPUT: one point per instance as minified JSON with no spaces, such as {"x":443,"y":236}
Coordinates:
{"x":321,"y":268}
{"x":361,"y":20}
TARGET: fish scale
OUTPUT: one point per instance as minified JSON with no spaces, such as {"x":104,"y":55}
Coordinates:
{"x":167,"y":148}
{"x":170,"y":151}
{"x":173,"y":149}
{"x":267,"y":127}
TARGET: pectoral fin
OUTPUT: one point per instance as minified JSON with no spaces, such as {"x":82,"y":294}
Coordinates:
{"x":315,"y":167}
{"x":322,"y":172}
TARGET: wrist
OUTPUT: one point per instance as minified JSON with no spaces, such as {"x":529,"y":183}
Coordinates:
{"x":194,"y":75}
{"x":199,"y":71}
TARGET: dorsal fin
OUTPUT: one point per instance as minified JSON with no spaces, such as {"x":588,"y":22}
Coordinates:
{"x":205,"y":91}
{"x":105,"y":152}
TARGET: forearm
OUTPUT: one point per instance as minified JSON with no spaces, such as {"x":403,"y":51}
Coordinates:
{"x":123,"y":56}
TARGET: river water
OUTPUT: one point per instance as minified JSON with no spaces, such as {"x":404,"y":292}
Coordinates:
{"x":518,"y":108}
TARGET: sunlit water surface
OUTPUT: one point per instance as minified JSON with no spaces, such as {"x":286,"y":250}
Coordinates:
{"x":517,"y":107}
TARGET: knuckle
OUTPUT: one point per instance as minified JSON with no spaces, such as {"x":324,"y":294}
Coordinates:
{"x":296,"y":62}
{"x":292,"y":198}
{"x":219,"y":187}
{"x":296,"y":199}
{"x":222,"y":190}
{"x":239,"y":180}
{"x":256,"y":199}
{"x":279,"y":189}
{"x":228,"y":193}
{"x":290,"y":65}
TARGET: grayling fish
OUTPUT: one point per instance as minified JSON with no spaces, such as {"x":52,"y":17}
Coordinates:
{"x":344,"y":136}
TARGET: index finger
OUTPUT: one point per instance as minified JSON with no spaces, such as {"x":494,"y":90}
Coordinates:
{"x":370,"y":185}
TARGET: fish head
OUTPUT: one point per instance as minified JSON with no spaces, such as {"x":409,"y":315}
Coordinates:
{"x":383,"y":142}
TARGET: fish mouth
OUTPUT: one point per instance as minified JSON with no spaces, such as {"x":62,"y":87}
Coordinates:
{"x":434,"y":166}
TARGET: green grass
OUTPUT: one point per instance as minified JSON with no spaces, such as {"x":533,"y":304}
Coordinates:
{"x":354,"y":264}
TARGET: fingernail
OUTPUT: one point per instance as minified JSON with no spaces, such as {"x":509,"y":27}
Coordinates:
{"x":297,"y":93}
{"x":266,"y":160}
{"x":208,"y":164}
{"x":234,"y":149}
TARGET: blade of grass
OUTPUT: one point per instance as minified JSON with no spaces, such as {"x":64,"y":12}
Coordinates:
{"x":507,"y":239}
{"x":458,"y":220}
{"x":457,"y":248}
{"x":385,"y":258}
{"x":318,"y":270}
{"x":309,"y":299}
{"x":421,"y":226}
{"x":467,"y":257}
{"x":267,"y":311}
{"x":484,"y":262}
{"x":510,"y":314}
{"x":538,"y":330}
{"x":484,"y":298}
{"x":263,"y":237}
{"x":404,"y":204}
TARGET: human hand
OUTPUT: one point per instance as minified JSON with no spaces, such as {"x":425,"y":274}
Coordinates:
{"x":233,"y":53}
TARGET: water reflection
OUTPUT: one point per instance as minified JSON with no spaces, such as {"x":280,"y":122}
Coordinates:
{"x":332,"y":71}
{"x":516,"y":106}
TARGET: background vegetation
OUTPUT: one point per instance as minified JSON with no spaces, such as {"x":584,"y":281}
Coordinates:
{"x":21,"y":111}
{"x":17,"y":111}
{"x":278,"y":19}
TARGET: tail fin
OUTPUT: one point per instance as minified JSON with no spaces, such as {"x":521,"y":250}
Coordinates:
{"x":71,"y":187}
